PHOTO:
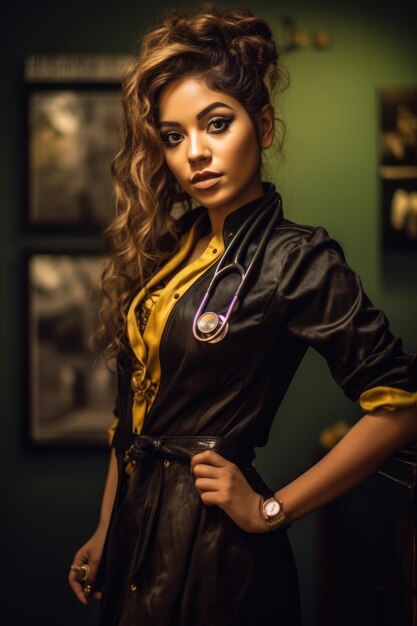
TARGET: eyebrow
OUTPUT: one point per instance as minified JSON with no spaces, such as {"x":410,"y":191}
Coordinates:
{"x":202,"y":113}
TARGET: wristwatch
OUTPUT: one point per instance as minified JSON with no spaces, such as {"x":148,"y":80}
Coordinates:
{"x":272,"y":512}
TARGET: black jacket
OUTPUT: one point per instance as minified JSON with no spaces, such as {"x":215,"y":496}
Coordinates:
{"x":199,"y":568}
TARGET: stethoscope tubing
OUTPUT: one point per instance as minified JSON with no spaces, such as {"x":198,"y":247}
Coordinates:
{"x":268,"y":208}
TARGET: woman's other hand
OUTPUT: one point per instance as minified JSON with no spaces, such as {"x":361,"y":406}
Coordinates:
{"x":220,"y":482}
{"x":89,"y":554}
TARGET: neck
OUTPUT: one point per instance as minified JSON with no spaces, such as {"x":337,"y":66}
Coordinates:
{"x":217,"y":215}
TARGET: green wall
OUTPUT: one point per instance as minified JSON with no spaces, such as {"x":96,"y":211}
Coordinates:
{"x":329,"y":177}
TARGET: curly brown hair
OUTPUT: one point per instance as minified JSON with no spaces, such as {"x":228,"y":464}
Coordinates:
{"x":234,"y":53}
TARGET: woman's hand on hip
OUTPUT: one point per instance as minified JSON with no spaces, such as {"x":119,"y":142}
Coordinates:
{"x":220,"y":482}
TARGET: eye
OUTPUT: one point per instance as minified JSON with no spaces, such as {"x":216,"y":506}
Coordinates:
{"x":219,"y":124}
{"x":171,"y":138}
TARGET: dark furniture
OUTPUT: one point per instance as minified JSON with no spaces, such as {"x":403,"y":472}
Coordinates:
{"x":367,"y":556}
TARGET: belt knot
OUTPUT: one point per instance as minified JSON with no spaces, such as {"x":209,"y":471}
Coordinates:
{"x":145,"y":447}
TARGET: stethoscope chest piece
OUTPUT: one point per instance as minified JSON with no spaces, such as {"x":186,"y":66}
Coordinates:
{"x":210,"y":327}
{"x":209,"y":323}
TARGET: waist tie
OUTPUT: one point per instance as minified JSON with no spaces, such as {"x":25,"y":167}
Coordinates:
{"x":140,"y":448}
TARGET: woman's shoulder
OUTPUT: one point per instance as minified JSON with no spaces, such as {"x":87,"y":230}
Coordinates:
{"x":293,"y":237}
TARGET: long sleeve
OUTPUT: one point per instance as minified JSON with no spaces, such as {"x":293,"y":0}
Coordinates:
{"x":322,"y":302}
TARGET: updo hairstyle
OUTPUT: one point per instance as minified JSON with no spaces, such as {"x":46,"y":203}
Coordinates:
{"x":234,"y":53}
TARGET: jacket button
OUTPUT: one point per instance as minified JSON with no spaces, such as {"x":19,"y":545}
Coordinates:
{"x":133,"y":587}
{"x":214,"y":250}
{"x":166,"y":463}
{"x":176,"y":296}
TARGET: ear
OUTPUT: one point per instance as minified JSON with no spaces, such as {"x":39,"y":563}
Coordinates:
{"x":266,"y":126}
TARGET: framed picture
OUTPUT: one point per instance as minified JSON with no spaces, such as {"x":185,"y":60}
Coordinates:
{"x":398,"y":168}
{"x":71,"y":395}
{"x":399,"y":210}
{"x":73,"y":113}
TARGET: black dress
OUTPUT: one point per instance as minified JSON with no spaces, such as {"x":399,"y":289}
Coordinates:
{"x":169,"y":559}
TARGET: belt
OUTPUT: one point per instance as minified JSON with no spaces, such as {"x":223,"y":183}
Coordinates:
{"x":179,"y":447}
{"x":141,"y":448}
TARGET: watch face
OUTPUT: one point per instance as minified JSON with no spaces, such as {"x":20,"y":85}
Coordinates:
{"x":272,"y":507}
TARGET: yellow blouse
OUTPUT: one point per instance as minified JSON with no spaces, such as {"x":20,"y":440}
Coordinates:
{"x":148,"y":314}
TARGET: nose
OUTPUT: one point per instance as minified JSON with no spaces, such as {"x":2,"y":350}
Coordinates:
{"x":198,"y":149}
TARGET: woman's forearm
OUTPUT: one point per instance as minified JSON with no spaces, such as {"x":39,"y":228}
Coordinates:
{"x":360,"y":453}
{"x":109,"y":493}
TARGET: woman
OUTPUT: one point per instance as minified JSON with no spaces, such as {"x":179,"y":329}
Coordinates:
{"x":189,"y":534}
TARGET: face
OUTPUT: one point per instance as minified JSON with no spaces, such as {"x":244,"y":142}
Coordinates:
{"x":211,"y":145}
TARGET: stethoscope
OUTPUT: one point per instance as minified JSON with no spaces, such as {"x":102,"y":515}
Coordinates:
{"x":210,"y":327}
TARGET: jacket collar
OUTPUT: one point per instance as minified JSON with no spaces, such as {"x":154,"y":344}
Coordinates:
{"x":234,"y":220}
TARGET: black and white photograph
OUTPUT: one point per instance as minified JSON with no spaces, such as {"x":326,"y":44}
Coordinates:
{"x":399,"y":126}
{"x":71,"y":395}
{"x":73,"y":136}
{"x":399,"y":207}
{"x":398,"y":168}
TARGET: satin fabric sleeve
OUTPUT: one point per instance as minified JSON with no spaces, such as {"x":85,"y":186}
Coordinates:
{"x":322,"y":302}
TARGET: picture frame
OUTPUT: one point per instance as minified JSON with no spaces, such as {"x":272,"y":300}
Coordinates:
{"x":71,"y":392}
{"x":73,"y":110}
{"x":398,"y":168}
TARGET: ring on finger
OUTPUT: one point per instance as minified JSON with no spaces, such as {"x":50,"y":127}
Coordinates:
{"x":81,"y":572}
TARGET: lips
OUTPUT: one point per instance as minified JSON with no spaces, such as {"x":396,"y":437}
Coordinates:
{"x":201,"y":176}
